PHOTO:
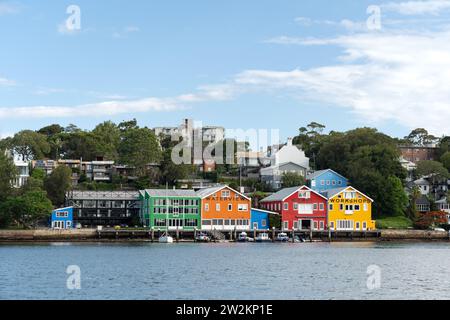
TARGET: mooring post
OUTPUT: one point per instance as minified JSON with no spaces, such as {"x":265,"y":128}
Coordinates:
{"x":273,"y":234}
{"x":195,"y":234}
{"x":310,"y":235}
{"x":293,"y":235}
{"x":254,"y":233}
{"x":152,"y":234}
{"x":329,"y":234}
{"x":178,"y":235}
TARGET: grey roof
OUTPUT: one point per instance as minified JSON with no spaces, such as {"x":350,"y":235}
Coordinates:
{"x":207,"y":191}
{"x":102,"y":195}
{"x":442,"y":201}
{"x":423,"y":200}
{"x":318,"y":173}
{"x":332,"y":192}
{"x":280,"y":195}
{"x":171,"y":193}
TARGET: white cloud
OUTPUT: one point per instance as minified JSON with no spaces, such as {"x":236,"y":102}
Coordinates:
{"x":433,"y":7}
{"x":8,"y":8}
{"x":116,"y":106}
{"x":383,"y":76}
{"x":7,"y":82}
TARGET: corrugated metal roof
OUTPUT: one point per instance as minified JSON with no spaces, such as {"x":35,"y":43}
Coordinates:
{"x":103,"y":195}
{"x":332,"y":192}
{"x":207,"y":191}
{"x":280,"y":195}
{"x":318,"y":173}
{"x":171,"y":193}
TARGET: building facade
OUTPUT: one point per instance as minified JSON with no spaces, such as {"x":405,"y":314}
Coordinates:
{"x":170,"y":209}
{"x":104,"y":208}
{"x":416,"y":154}
{"x":223,"y":208}
{"x":349,"y":210}
{"x":301,"y":208}
{"x":261,"y":219}
{"x":273,"y":175}
{"x":62,"y":218}
{"x":323,"y":180}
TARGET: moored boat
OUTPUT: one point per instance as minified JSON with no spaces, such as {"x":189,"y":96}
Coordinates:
{"x":263,"y":237}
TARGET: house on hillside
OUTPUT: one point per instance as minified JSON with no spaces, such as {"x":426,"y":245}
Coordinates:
{"x":323,"y":180}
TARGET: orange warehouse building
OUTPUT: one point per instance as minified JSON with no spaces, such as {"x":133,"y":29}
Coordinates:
{"x":223,"y":208}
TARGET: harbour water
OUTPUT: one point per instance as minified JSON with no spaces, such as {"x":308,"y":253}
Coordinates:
{"x":226,"y":270}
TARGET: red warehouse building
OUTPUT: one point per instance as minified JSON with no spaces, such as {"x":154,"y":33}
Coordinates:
{"x":301,"y":208}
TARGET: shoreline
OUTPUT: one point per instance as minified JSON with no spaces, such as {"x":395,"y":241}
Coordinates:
{"x":144,"y":236}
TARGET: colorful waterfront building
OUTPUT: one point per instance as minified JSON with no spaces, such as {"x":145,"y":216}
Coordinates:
{"x":349,"y":209}
{"x":224,"y":208}
{"x":323,"y":180}
{"x":62,"y":218}
{"x":260,"y":219}
{"x":301,"y":208}
{"x":170,"y":209}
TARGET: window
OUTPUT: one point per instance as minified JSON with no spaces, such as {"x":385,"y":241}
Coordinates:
{"x":366,"y":207}
{"x":364,"y":225}
{"x":345,"y":225}
{"x":305,"y":208}
{"x":350,"y":195}
{"x":225,"y":193}
{"x":295,"y":206}
{"x":333,"y":182}
{"x":339,"y":182}
{"x":315,"y":206}
{"x":322,"y":182}
{"x":321,"y":224}
{"x":217,"y":206}
{"x":331,"y":207}
{"x":303,"y":194}
{"x":285,"y":225}
{"x":206,"y":206}
{"x":242,"y":207}
{"x":357,"y":225}
{"x":316,"y":226}
{"x":264,"y":222}
{"x":328,"y":182}
{"x":332,"y":225}
{"x":296,"y":225}
{"x":286,"y":206}
{"x":62,"y":214}
{"x":357,"y":207}
{"x":230,"y":207}
{"x":341,"y":207}
{"x":321,"y":207}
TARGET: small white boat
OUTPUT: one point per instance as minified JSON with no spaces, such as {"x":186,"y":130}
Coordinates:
{"x":165,"y":239}
{"x":202,"y":237}
{"x":263,"y":237}
{"x":242,"y":237}
{"x":282,"y":237}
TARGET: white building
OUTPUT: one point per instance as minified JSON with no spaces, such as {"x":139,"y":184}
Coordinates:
{"x":290,"y":153}
{"x":23,"y":170}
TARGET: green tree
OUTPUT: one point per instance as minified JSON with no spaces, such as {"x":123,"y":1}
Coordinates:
{"x":420,"y":137}
{"x":27,"y":209}
{"x":396,"y":197}
{"x":107,"y":137}
{"x":30,"y":145}
{"x":445,"y":160}
{"x":38,"y":173}
{"x":171,"y":172}
{"x":8,"y":173}
{"x":138,"y":148}
{"x":292,"y":179}
{"x":57,"y":184}
{"x":413,"y":197}
{"x":80,"y":145}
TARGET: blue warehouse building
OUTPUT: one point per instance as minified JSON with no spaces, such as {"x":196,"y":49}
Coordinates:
{"x":323,"y":180}
{"x":62,"y":218}
{"x":260,"y":219}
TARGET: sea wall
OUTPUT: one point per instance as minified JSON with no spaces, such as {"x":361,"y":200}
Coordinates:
{"x":413,"y":235}
{"x":47,"y":235}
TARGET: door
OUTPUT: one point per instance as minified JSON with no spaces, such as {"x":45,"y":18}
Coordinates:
{"x":255,"y":225}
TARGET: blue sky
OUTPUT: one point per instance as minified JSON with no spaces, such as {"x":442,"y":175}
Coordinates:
{"x":238,"y":64}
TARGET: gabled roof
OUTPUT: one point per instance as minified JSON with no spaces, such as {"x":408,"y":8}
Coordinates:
{"x":171,"y":193}
{"x":204,"y":193}
{"x":280,"y":195}
{"x":287,"y":192}
{"x":331,"y":193}
{"x":423,"y":200}
{"x":318,"y":173}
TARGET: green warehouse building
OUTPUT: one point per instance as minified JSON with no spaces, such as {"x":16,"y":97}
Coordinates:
{"x":173,"y":209}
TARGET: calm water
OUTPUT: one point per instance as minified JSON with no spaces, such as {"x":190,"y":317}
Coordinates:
{"x":225,"y":271}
